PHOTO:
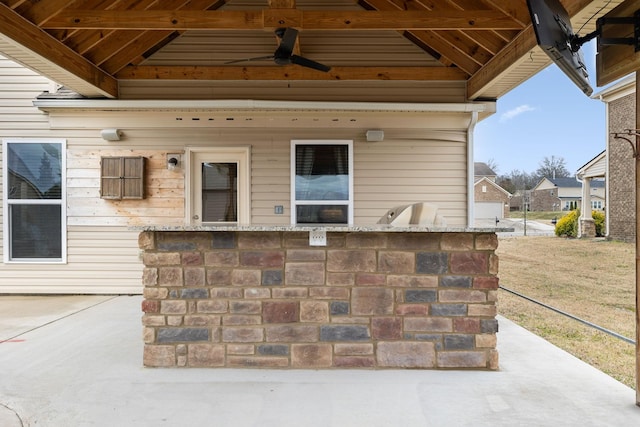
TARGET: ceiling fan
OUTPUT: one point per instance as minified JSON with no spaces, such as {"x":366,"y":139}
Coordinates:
{"x":284,"y":53}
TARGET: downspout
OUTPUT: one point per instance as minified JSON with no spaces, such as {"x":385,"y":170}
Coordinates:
{"x":470,"y":168}
{"x":607,"y":214}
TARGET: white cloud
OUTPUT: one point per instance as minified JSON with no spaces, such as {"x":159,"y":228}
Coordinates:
{"x":516,"y":112}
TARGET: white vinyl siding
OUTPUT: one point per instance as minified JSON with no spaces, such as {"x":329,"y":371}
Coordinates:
{"x":415,"y":162}
{"x":101,"y":259}
{"x":432,"y":169}
{"x":398,"y":171}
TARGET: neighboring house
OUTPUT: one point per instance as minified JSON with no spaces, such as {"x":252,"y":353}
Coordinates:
{"x":482,"y":170}
{"x":620,"y":101}
{"x":593,"y":172}
{"x":518,"y":200}
{"x":490,"y":200}
{"x":560,"y":194}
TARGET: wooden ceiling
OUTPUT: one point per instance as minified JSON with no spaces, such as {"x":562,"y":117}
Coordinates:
{"x":89,"y":45}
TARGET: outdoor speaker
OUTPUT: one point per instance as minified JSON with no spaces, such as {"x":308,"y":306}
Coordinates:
{"x":111,"y":134}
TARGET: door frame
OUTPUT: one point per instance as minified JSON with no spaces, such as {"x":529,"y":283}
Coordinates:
{"x":194,"y":158}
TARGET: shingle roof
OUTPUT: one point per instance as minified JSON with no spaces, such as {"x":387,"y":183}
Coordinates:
{"x":571,"y":182}
{"x":482,"y":169}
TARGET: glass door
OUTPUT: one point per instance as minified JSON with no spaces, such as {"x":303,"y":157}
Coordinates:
{"x":219,"y":193}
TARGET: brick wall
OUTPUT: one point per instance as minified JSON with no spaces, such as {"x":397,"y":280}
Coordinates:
{"x":545,"y":200}
{"x":621,"y":178}
{"x":366,"y":300}
{"x":492,"y":195}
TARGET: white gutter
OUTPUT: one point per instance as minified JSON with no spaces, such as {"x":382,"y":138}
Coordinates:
{"x":249,"y":104}
{"x":470,"y":170}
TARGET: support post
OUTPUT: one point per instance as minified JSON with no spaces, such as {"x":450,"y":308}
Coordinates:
{"x":637,"y":192}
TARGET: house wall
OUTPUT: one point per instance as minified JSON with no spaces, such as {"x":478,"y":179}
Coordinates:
{"x":103,"y":259}
{"x":621,"y":205}
{"x":425,"y":162}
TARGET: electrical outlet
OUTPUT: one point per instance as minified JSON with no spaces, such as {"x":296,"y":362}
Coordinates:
{"x":317,"y":238}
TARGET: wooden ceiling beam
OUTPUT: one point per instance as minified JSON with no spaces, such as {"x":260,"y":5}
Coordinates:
{"x":464,"y":44}
{"x":431,"y":41}
{"x":144,"y":41}
{"x":133,"y":53}
{"x":41,"y":11}
{"x":282,"y":4}
{"x":83,"y":41}
{"x":516,"y":9}
{"x":12,"y":4}
{"x":273,"y":18}
{"x":64,"y":35}
{"x":290,"y":72}
{"x":435,"y":41}
{"x":127,"y":47}
{"x":28,"y":36}
{"x":487,"y":39}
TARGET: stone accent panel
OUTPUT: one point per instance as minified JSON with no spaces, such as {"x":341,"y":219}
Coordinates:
{"x":368,"y":300}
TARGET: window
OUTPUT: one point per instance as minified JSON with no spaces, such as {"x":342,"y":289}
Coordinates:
{"x":122,"y":178}
{"x":322,"y":182}
{"x":484,"y":188}
{"x":596,"y":204}
{"x":219,"y":186}
{"x":34,"y":201}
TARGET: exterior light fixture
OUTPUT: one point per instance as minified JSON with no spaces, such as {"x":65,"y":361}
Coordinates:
{"x":173,"y":160}
{"x":375,"y":135}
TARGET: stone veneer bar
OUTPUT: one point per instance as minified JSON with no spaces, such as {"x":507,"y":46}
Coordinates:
{"x":370,"y":298}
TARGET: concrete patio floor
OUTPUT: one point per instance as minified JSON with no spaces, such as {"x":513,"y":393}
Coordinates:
{"x":77,"y":361}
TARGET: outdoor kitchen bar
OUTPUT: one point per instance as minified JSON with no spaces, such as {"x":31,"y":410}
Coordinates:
{"x":316,"y":297}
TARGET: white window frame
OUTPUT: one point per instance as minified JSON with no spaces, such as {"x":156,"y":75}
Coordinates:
{"x":349,"y":202}
{"x":6,"y":202}
{"x":238,"y":154}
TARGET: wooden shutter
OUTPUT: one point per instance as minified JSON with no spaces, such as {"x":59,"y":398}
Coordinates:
{"x":122,"y":178}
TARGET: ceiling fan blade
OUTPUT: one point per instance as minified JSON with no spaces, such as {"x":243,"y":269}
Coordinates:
{"x":305,"y":62}
{"x":258,"y":58}
{"x":288,"y":42}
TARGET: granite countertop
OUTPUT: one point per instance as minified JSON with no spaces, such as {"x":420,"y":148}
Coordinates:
{"x":327,"y":228}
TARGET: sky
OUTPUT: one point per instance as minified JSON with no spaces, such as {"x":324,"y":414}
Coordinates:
{"x":548,"y":115}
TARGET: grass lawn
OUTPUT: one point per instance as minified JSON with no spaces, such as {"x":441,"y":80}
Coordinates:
{"x":535,"y":216}
{"x":591,"y":279}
